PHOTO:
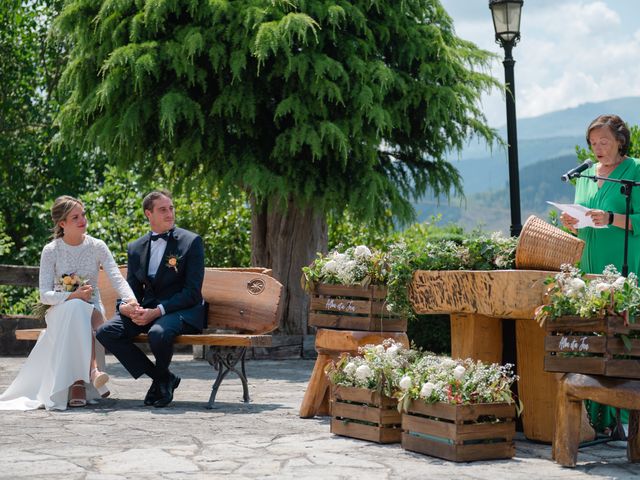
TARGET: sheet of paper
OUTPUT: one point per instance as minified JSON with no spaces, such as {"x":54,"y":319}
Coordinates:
{"x":579,"y":212}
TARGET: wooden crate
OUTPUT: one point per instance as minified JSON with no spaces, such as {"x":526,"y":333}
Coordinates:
{"x":351,"y":307}
{"x":364,"y":414}
{"x":592,"y":346}
{"x":461,"y":433}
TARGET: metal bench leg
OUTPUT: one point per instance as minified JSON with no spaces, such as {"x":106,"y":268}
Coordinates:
{"x":224,"y":360}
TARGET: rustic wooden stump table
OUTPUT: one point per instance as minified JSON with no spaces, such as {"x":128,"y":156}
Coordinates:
{"x":478,"y":302}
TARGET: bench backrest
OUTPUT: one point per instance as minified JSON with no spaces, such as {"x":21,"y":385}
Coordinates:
{"x":243,"y":300}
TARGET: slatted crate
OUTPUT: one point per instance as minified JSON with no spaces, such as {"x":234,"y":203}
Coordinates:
{"x":364,"y":414}
{"x":352,"y":307}
{"x":592,"y":346}
{"x":461,"y":433}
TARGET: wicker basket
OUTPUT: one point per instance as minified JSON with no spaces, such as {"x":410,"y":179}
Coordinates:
{"x":542,"y":246}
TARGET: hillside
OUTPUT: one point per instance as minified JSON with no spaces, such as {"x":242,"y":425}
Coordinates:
{"x":546,"y":148}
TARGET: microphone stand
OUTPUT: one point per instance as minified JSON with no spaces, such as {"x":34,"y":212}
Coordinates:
{"x":625,"y":188}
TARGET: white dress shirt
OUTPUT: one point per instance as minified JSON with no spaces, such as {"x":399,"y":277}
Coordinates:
{"x":156,"y":253}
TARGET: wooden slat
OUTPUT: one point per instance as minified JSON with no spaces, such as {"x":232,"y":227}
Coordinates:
{"x":458,"y":453}
{"x":332,"y":341}
{"x":344,"y":322}
{"x":19,"y":275}
{"x":616,"y":346}
{"x":412,"y":423}
{"x":341,"y":305}
{"x":462,"y":413}
{"x":365,"y":413}
{"x":624,"y":368}
{"x":372,"y":292}
{"x":28,"y":333}
{"x":365,"y":432}
{"x":589,"y":365}
{"x":362,"y":395}
{"x":575,"y":343}
{"x":218,"y":339}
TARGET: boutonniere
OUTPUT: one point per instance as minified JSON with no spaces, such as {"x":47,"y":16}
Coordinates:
{"x":172,"y":261}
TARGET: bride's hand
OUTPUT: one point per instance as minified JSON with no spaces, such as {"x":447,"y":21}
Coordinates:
{"x":83,"y":293}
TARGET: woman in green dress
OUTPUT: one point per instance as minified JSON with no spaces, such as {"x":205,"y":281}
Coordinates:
{"x":608,"y":137}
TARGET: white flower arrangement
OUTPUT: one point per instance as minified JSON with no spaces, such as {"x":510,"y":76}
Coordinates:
{"x":572,"y":294}
{"x":407,"y":374}
{"x":355,"y":266}
{"x":376,"y":367}
{"x":458,"y":382}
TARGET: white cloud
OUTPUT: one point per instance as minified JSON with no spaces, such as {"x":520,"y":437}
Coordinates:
{"x":571,"y":52}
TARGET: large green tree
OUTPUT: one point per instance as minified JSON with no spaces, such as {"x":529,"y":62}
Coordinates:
{"x":311,"y":106}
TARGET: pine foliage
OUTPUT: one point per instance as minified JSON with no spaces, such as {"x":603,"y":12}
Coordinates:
{"x":333,"y":103}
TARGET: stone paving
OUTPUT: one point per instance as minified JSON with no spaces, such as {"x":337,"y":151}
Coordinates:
{"x":120,"y":438}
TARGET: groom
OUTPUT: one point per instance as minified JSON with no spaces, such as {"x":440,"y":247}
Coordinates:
{"x":165,"y":271}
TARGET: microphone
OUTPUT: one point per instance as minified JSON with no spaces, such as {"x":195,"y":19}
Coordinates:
{"x":574,"y":172}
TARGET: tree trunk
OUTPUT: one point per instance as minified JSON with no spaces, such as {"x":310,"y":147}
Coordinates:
{"x":286,"y":241}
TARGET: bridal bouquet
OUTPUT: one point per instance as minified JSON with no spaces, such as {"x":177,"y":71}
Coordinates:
{"x":67,"y":282}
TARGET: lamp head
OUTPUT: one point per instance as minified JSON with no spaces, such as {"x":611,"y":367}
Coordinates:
{"x":506,"y":20}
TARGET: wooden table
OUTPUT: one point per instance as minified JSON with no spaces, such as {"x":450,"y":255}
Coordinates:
{"x":478,"y":302}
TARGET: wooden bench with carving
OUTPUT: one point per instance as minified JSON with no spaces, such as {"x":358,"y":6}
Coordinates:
{"x":244,"y":308}
{"x":576,"y":387}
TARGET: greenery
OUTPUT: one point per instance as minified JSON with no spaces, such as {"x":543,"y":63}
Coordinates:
{"x":460,"y":382}
{"x":572,"y":294}
{"x":32,"y":171}
{"x":309,"y":107}
{"x":116,"y":216}
{"x":272,"y":95}
{"x":394,"y":268}
{"x":376,"y":367}
{"x":395,"y":371}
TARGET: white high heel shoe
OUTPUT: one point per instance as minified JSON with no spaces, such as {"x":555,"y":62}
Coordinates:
{"x":103,"y":391}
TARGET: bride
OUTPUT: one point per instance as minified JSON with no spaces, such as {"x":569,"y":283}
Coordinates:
{"x":63,"y":359}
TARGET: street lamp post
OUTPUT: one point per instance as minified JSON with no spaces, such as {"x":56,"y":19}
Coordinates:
{"x":506,"y":22}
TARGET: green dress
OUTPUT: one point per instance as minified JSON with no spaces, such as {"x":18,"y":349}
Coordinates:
{"x":605,"y":246}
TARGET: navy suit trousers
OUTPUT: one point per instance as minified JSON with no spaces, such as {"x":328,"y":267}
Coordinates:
{"x":116,"y":336}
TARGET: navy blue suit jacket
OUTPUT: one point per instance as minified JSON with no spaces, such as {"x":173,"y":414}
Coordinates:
{"x":178,"y":289}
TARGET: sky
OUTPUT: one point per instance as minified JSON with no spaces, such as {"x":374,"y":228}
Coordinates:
{"x":570,"y":52}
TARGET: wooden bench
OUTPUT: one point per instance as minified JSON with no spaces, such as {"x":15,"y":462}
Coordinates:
{"x":573,"y":389}
{"x":244,"y":308}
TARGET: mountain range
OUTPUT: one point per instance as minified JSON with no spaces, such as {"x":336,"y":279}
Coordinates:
{"x":546,"y":149}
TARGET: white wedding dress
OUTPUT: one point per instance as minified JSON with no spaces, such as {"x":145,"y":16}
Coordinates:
{"x":62,"y":354}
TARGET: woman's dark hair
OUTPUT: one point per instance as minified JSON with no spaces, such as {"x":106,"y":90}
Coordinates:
{"x":616,"y":126}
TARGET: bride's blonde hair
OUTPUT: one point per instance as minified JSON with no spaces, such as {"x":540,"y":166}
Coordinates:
{"x":62,"y":206}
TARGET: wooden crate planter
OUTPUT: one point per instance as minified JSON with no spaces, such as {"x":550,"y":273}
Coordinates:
{"x":353,"y":308}
{"x":461,"y":433}
{"x":591,"y":346}
{"x":364,"y":414}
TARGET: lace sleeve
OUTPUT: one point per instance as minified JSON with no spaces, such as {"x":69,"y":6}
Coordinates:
{"x":113,"y":272}
{"x":47,"y":278}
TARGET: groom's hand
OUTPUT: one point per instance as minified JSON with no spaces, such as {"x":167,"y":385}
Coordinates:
{"x":144,"y":316}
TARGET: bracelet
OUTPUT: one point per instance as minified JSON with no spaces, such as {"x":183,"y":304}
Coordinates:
{"x":610,"y":217}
